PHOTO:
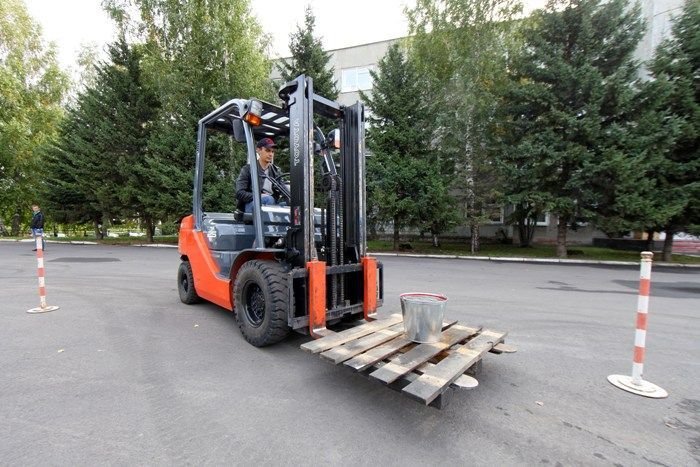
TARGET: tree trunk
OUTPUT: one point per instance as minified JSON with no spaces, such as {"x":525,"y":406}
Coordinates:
{"x":396,"y":233}
{"x":668,"y":246}
{"x":105,"y":224}
{"x":436,"y":241}
{"x":150,"y":228}
{"x":562,"y":227}
{"x":475,"y":238}
{"x":15,"y":225}
{"x":526,"y":230}
{"x":650,"y":240}
{"x":3,"y":230}
{"x":98,"y":231}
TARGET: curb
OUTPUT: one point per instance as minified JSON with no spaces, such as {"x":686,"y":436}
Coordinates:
{"x":535,"y":260}
{"x":154,"y":245}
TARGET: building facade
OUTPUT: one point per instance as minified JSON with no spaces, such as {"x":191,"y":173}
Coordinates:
{"x":352,"y":66}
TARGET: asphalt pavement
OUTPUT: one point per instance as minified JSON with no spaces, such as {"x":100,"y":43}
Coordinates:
{"x":125,"y":374}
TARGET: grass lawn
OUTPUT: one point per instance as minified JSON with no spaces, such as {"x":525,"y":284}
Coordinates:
{"x":446,"y":248}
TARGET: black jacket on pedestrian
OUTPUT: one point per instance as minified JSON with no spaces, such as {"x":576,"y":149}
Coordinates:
{"x":244,"y":184}
{"x":37,"y":220}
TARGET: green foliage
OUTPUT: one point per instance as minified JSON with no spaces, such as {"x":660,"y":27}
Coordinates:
{"x":65,"y":196}
{"x":460,"y":48}
{"x":673,"y":106}
{"x":198,"y":55}
{"x":309,"y":58}
{"x":403,"y":185}
{"x":98,"y":168}
{"x":569,"y":109}
{"x":169,"y":228}
{"x":31,"y":90}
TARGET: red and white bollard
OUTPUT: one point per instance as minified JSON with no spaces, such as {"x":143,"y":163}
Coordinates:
{"x":635,"y":384}
{"x":43,"y":308}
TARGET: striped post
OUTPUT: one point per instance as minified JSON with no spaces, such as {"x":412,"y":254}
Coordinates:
{"x":636,"y":384}
{"x":640,"y":334}
{"x":43,"y":308}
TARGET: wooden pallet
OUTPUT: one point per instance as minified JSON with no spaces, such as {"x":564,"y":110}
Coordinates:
{"x":428,"y":373}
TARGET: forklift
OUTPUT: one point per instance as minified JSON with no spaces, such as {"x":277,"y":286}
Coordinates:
{"x":293,"y":266}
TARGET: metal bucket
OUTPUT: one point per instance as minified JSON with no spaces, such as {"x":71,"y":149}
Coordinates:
{"x":422,"y":316}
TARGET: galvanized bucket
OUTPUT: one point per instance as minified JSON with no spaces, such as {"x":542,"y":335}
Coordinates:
{"x":422,"y":316}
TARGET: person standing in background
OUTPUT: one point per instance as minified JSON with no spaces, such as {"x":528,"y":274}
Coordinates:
{"x":37,"y":225}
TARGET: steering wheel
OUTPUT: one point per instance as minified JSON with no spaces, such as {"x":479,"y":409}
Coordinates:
{"x":282,"y":184}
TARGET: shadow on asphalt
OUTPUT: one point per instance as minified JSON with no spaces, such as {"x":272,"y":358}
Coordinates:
{"x":83,"y":260}
{"x":658,"y":289}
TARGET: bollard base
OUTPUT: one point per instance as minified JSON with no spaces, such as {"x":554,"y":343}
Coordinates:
{"x":645,"y":389}
{"x":45,"y":309}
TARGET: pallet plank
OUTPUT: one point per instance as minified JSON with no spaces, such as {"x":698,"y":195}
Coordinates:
{"x":350,"y":349}
{"x":436,"y":379}
{"x":463,"y":382}
{"x":338,"y":338}
{"x":365,"y":360}
{"x":372,"y":356}
{"x":421,"y":354}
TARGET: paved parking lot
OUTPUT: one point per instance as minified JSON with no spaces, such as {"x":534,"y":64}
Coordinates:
{"x":123,"y":373}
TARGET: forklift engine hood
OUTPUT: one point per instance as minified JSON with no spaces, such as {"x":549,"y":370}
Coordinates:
{"x":235,"y":232}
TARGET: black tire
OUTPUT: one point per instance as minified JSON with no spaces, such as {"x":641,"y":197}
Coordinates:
{"x":185,"y":284}
{"x":261,"y":301}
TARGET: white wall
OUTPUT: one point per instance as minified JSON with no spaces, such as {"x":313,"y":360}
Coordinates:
{"x":658,"y":15}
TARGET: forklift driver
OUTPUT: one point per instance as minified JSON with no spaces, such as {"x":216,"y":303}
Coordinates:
{"x":269,"y":194}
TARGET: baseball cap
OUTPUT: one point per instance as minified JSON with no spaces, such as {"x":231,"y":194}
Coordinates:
{"x":266,"y":143}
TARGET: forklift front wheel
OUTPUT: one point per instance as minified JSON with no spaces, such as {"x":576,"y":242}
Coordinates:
{"x":185,"y":284}
{"x":260,"y":296}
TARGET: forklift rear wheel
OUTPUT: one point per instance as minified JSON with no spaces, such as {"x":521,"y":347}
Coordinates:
{"x":185,"y":284}
{"x":261,"y":293}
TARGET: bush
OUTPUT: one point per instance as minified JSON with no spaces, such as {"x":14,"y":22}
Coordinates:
{"x":169,"y":228}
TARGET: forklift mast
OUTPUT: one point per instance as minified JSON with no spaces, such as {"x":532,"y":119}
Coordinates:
{"x":341,"y":280}
{"x":348,"y":188}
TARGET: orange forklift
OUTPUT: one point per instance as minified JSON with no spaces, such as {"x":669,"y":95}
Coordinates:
{"x":294,"y":266}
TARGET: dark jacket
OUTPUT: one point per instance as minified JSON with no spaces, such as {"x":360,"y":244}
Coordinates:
{"x":244,"y":184}
{"x":37,"y":220}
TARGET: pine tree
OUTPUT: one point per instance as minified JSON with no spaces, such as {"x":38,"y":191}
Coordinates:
{"x":309,"y":58}
{"x":404,"y":187}
{"x":569,"y":108}
{"x":198,"y":55}
{"x":65,"y":196}
{"x":131,"y":108}
{"x":674,"y":98}
{"x":99,"y":161}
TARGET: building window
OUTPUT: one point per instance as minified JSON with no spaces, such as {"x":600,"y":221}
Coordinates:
{"x":543,"y":219}
{"x":495,"y":214}
{"x":356,"y":79}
